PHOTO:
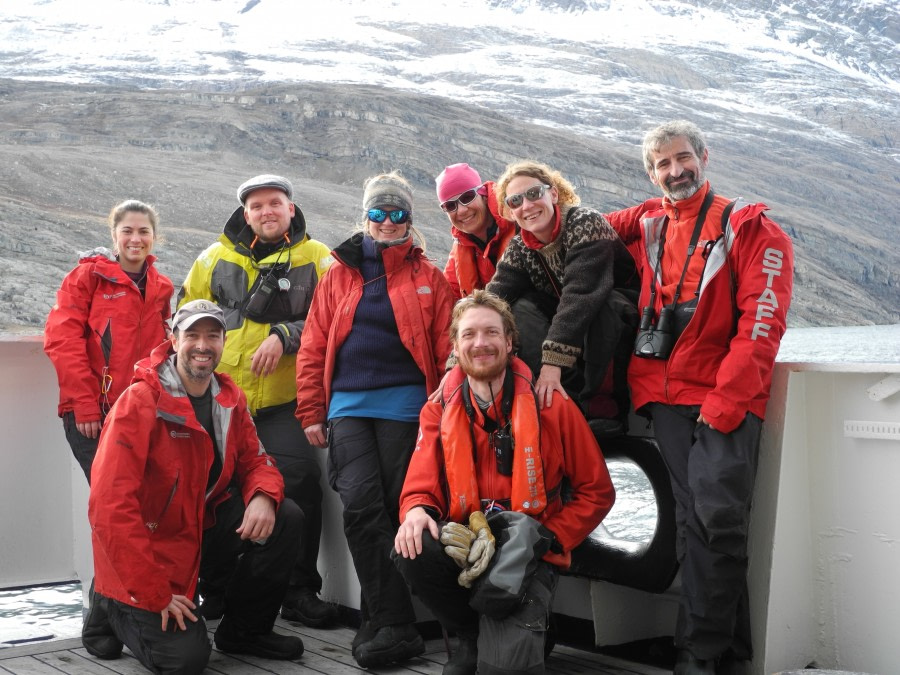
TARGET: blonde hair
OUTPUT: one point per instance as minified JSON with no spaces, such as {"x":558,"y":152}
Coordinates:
{"x":565,"y":190}
{"x":119,"y":211}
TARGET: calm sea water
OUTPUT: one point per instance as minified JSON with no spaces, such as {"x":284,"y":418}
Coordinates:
{"x":40,"y":613}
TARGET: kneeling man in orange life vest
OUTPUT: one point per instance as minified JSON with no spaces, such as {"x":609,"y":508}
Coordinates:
{"x":486,"y":476}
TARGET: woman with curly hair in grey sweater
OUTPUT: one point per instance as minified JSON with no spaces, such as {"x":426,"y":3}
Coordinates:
{"x":572,"y":285}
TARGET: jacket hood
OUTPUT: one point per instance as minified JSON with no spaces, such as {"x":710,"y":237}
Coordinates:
{"x":99,"y":253}
{"x":107,"y":265}
{"x":240,"y":234}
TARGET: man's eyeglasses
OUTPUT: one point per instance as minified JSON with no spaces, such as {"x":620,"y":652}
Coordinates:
{"x":380,"y":215}
{"x":532,"y":194}
{"x":465,"y":199}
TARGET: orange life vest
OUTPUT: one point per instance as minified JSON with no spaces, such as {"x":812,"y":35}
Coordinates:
{"x":528,"y":493}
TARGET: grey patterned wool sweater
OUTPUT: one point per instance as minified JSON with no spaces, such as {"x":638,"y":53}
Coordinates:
{"x":572,"y":277}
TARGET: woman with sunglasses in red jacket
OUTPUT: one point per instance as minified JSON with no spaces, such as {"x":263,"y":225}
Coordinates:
{"x":374,"y":345}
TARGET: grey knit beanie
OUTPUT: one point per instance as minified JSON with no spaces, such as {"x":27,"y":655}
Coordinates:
{"x":387,"y":189}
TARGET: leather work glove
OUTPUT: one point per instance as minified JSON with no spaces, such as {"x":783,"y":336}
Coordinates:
{"x":457,"y":540}
{"x":481,"y":551}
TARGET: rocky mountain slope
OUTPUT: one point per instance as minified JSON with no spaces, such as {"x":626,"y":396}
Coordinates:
{"x":68,"y":153}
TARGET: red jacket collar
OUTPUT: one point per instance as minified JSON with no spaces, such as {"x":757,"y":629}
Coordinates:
{"x":533,"y":242}
{"x":686,"y":208}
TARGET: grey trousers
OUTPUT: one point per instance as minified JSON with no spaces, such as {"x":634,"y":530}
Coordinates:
{"x":712,"y":480}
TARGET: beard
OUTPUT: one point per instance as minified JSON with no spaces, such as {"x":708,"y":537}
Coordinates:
{"x":200,"y":374}
{"x":482,"y":372}
{"x":686,"y":190}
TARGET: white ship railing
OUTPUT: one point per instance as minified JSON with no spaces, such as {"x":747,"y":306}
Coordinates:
{"x":825,"y":537}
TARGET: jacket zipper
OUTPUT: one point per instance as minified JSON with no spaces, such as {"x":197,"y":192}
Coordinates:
{"x":154,"y":524}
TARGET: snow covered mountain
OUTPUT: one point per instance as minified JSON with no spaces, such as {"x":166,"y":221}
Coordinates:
{"x":799,"y":98}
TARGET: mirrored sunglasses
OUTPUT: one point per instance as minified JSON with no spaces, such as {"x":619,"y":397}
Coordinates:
{"x":465,"y":199}
{"x":380,"y":215}
{"x":532,"y":194}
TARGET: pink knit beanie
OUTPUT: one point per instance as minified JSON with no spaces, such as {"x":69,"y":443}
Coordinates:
{"x":456,"y":179}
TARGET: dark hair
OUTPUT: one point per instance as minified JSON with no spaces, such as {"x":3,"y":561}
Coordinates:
{"x":132,"y":206}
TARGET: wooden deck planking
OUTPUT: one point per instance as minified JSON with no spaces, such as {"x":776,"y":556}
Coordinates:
{"x":327,"y":653}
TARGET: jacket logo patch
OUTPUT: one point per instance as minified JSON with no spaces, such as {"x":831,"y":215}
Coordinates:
{"x":767,"y":302}
{"x":424,"y":290}
{"x":113,"y":296}
{"x":179,"y":434}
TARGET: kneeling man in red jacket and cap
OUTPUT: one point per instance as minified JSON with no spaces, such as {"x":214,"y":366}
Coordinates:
{"x":181,"y":481}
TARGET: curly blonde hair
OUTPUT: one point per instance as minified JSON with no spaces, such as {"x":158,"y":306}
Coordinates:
{"x":527,"y":167}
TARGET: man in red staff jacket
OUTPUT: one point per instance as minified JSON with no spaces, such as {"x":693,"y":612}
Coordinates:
{"x":716,"y":279}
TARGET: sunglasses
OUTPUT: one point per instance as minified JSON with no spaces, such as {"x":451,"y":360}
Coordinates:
{"x":532,"y":194}
{"x":465,"y":199}
{"x":380,"y":215}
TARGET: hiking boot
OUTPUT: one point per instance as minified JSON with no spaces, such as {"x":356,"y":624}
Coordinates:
{"x":364,"y":634}
{"x":688,"y":664}
{"x":212,"y":606}
{"x":97,"y":635}
{"x":308,"y":609}
{"x":605,"y":427}
{"x":271,"y":645}
{"x":390,"y":644}
{"x":464,"y":659}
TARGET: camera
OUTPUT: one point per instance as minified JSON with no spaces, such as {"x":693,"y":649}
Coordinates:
{"x":654,"y":342}
{"x":261,"y":298}
{"x":503,"y":451}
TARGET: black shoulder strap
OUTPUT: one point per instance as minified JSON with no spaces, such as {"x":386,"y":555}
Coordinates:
{"x":726,"y":214}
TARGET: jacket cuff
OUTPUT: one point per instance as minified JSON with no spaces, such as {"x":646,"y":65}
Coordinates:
{"x":281,"y":331}
{"x":558,"y":354}
{"x":720,"y":420}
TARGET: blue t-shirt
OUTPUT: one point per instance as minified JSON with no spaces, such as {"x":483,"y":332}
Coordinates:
{"x":401,"y":404}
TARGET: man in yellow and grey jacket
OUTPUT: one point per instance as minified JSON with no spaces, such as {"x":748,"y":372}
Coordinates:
{"x":263,"y":272}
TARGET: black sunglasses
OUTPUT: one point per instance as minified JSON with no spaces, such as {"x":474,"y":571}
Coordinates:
{"x":465,"y":199}
{"x":380,"y":215}
{"x":532,"y":194}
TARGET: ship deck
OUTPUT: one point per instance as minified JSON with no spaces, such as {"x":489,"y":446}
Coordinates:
{"x":327,"y":652}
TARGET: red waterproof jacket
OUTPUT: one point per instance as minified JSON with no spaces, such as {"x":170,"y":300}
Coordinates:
{"x":422,"y":302}
{"x":100,"y":325}
{"x":568,"y":448}
{"x":149,"y":504}
{"x":723,"y":360}
{"x":469,"y":268}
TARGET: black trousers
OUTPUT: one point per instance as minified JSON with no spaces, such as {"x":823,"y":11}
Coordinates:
{"x":83,"y":448}
{"x":367,"y":462}
{"x":513,"y":644}
{"x":252,"y":597}
{"x":283,"y":438}
{"x":712,"y":479}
